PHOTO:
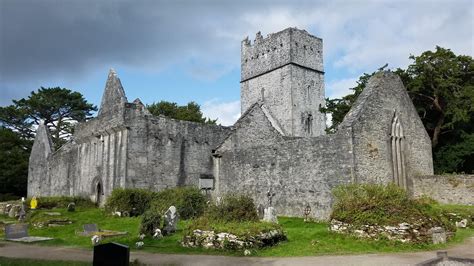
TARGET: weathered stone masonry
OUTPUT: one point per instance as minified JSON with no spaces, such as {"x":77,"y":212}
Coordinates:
{"x":278,"y":145}
{"x":125,"y":146}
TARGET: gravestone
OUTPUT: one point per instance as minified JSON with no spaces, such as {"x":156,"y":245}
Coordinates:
{"x":171,"y":221}
{"x":438,"y":235}
{"x":71,"y":207}
{"x":112,"y":254}
{"x":14,"y":231}
{"x":260,"y":211}
{"x":270,"y":215}
{"x":90,"y":228}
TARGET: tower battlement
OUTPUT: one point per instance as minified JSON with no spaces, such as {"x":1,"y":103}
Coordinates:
{"x":289,"y":46}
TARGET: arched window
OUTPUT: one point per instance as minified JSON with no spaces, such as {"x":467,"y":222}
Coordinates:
{"x":398,"y":153}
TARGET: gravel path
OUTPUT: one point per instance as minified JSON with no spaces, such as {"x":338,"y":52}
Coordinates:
{"x":16,"y":250}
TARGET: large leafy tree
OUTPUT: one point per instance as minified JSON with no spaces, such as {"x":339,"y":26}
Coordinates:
{"x":190,"y":112}
{"x":441,"y":85}
{"x":59,"y":108}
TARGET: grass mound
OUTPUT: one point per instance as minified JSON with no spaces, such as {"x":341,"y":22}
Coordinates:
{"x":372,"y":204}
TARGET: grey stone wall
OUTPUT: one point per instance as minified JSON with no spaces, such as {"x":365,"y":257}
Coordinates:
{"x":125,"y":146}
{"x":371,"y":119}
{"x":285,"y":71}
{"x":256,"y":159}
{"x":448,"y":189}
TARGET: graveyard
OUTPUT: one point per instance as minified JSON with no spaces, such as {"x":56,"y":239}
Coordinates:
{"x":83,"y":225}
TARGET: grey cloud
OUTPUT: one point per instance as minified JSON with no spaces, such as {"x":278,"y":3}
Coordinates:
{"x":70,"y":39}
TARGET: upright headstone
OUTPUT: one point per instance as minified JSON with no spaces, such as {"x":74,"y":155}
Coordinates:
{"x":171,"y":221}
{"x":112,"y":254}
{"x":260,"y":211}
{"x":71,"y":207}
{"x":14,"y":231}
{"x":90,"y":228}
{"x":270,"y":215}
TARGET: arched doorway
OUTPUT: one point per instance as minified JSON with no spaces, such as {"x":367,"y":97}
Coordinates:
{"x":99,"y":193}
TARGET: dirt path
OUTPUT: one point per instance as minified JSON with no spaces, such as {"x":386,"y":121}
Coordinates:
{"x":15,"y":250}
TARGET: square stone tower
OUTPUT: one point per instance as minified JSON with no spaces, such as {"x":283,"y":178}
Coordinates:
{"x":284,"y":72}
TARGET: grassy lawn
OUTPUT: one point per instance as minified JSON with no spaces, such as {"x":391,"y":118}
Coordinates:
{"x":17,"y":262}
{"x":304,"y":239}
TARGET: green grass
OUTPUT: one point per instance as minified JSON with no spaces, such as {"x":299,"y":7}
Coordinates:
{"x":304,"y":239}
{"x":31,"y":262}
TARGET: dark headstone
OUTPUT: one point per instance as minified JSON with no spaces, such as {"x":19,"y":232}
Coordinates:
{"x":91,"y":228}
{"x":13,"y":231}
{"x":71,"y":207}
{"x":111,"y":254}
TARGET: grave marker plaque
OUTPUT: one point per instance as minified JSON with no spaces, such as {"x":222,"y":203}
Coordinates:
{"x":91,"y":228}
{"x":14,"y":231}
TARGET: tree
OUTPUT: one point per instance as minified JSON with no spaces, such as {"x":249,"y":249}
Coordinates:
{"x":441,"y":86}
{"x":14,"y":153}
{"x":59,"y":108}
{"x":190,"y":112}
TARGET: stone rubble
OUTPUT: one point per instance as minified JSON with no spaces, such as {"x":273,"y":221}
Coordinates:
{"x":404,"y":232}
{"x":223,"y":240}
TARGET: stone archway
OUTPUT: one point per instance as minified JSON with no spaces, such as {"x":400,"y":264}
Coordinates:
{"x":398,"y":152}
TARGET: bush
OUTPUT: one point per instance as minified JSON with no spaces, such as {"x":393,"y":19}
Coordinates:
{"x":60,"y":202}
{"x":135,"y":201}
{"x":151,"y":220}
{"x":189,"y":201}
{"x":372,"y":204}
{"x":233,"y":208}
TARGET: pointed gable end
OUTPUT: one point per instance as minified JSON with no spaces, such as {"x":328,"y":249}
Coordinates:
{"x":113,"y":99}
{"x":43,"y":145}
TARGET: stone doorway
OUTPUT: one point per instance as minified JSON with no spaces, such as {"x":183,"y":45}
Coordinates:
{"x":99,"y":194}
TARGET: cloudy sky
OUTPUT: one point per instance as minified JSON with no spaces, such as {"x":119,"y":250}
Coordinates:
{"x":185,"y":51}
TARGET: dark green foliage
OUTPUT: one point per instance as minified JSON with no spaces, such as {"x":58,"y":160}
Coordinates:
{"x":233,"y":208}
{"x":135,"y":201}
{"x":60,"y":202}
{"x":151,"y":220}
{"x":189,"y":201}
{"x":190,"y":112}
{"x":59,"y":108}
{"x":14,"y":154}
{"x":373,"y":204}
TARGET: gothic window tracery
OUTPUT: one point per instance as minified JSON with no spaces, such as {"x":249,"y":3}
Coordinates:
{"x":398,"y":152}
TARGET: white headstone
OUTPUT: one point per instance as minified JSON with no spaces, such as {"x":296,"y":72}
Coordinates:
{"x":269,"y":215}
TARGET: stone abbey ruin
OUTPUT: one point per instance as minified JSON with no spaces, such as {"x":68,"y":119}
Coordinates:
{"x":278,"y":145}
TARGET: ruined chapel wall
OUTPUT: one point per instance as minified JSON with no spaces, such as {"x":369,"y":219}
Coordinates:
{"x":299,"y":171}
{"x":165,"y":152}
{"x":371,"y":121}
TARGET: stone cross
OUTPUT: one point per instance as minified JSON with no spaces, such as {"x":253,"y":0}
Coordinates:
{"x":270,"y":196}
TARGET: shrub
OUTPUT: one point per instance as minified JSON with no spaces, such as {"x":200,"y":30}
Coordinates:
{"x":151,"y":220}
{"x":372,"y":204}
{"x":238,"y":208}
{"x":189,"y":201}
{"x":135,"y":201}
{"x":61,"y":202}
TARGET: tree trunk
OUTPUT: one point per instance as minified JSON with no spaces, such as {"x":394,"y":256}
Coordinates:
{"x":437,"y":131}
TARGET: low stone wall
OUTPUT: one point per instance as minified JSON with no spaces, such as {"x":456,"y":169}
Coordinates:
{"x":404,"y":232}
{"x":212,"y":240}
{"x":449,"y":189}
